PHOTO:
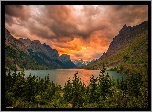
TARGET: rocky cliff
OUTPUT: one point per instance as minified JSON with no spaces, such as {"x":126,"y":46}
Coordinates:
{"x":128,"y":51}
{"x":34,"y":54}
{"x":17,"y":44}
{"x":25,"y":41}
{"x":17,"y":56}
{"x":124,"y":36}
{"x":36,"y":46}
{"x":64,"y":58}
{"x":52,"y":53}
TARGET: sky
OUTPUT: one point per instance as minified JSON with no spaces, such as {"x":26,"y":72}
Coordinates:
{"x":81,"y":31}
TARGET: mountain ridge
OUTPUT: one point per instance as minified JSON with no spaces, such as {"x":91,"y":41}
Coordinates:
{"x":33,"y":51}
{"x":128,"y":50}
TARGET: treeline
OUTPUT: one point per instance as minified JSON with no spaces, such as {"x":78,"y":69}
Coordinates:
{"x":102,"y":92}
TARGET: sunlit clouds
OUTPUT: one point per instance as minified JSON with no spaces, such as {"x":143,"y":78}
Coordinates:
{"x":82,"y":31}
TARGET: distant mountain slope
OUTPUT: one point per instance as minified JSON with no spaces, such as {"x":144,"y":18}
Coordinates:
{"x":127,"y":52}
{"x":24,"y":53}
{"x":65,"y":59}
{"x":81,"y":62}
{"x":17,"y":56}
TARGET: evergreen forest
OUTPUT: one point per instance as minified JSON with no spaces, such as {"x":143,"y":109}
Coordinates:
{"x":102,"y":92}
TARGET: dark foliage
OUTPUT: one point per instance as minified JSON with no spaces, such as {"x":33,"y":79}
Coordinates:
{"x":102,"y":92}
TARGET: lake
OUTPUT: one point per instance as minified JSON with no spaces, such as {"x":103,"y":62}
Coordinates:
{"x":61,"y":76}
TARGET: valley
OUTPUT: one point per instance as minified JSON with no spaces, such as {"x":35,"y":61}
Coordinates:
{"x":77,"y":56}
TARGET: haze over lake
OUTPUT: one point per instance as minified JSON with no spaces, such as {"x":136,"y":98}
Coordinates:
{"x":61,"y":76}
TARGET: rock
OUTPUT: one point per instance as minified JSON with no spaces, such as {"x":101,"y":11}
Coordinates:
{"x":25,"y":41}
{"x":41,"y":53}
{"x":52,"y":53}
{"x":125,"y":34}
{"x":14,"y":42}
{"x":36,"y":46}
{"x":64,"y":58}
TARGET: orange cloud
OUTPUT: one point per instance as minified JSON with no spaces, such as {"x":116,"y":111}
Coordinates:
{"x":80,"y":31}
{"x":79,"y":48}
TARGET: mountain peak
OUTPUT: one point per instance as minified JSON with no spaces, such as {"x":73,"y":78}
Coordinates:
{"x":34,"y":55}
{"x":126,"y":50}
{"x":45,"y":44}
{"x":125,"y":25}
{"x":36,"y":41}
{"x":64,"y":57}
{"x":6,"y":31}
{"x":125,"y":34}
{"x":25,"y":41}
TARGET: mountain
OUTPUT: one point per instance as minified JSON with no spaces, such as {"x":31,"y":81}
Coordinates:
{"x":127,"y":52}
{"x":81,"y":62}
{"x":24,"y":53}
{"x":52,"y":53}
{"x":65,"y":59}
{"x":26,"y":41}
{"x":12,"y":42}
{"x":17,"y":56}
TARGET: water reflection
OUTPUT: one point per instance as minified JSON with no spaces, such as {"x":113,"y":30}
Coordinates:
{"x":61,"y":76}
{"x":84,"y":75}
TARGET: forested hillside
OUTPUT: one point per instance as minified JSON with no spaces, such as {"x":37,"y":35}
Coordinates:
{"x":17,"y":57}
{"x":26,"y":54}
{"x":128,"y":52}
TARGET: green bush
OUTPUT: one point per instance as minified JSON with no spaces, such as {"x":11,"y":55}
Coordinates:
{"x":102,"y":92}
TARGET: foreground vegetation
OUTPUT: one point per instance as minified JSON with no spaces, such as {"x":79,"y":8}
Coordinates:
{"x":102,"y":92}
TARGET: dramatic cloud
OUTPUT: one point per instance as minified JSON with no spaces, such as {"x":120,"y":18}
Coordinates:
{"x":14,"y":13}
{"x":81,"y":31}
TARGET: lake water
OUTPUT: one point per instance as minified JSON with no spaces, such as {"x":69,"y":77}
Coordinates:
{"x":61,"y":76}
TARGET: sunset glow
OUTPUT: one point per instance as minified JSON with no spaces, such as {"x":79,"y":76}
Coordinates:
{"x":81,"y":31}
